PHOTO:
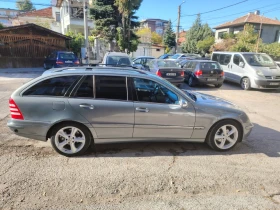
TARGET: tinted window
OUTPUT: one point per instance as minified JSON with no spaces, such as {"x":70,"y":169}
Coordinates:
{"x":86,"y":88}
{"x":118,"y":60}
{"x":209,"y":65}
{"x":67,"y":56}
{"x":150,"y":91}
{"x":108,"y":87}
{"x":56,"y":86}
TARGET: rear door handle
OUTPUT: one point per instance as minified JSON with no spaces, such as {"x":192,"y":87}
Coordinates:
{"x":87,"y":106}
{"x":140,"y":109}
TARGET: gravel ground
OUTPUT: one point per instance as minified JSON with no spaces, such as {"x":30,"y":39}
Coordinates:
{"x":146,"y":175}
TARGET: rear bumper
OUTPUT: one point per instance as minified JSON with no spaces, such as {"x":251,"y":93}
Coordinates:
{"x":204,"y":80}
{"x":175,"y":80}
{"x":268,"y":84}
{"x":32,"y":130}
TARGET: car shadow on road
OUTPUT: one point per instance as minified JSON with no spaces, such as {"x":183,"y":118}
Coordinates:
{"x":263,"y":140}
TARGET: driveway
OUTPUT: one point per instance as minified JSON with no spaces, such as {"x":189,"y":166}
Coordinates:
{"x":146,"y":175}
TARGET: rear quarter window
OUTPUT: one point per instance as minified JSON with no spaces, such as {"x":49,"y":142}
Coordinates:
{"x":56,"y":86}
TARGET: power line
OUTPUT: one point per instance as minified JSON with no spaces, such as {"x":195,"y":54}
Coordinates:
{"x":216,"y":9}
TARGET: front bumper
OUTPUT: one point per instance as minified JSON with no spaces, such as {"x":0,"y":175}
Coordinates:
{"x":268,"y":84}
{"x":247,"y":130}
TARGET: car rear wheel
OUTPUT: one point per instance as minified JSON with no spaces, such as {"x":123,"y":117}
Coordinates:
{"x":190,"y":81}
{"x":70,"y":139}
{"x":245,"y":83}
{"x":224,"y":135}
{"x":218,"y":85}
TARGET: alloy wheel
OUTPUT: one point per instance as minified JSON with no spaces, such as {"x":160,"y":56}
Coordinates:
{"x":70,"y":140}
{"x":226,"y":136}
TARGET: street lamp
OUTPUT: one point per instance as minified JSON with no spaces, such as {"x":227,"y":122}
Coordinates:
{"x":178,"y":25}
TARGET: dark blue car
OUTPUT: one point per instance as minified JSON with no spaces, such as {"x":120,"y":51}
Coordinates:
{"x":58,"y":59}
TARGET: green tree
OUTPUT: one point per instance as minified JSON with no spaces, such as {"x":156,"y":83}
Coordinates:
{"x":205,"y":44}
{"x":272,"y":49}
{"x":1,"y":26}
{"x":76,"y":42}
{"x":246,"y":40}
{"x":196,"y":33}
{"x":25,"y":5}
{"x":169,"y":37}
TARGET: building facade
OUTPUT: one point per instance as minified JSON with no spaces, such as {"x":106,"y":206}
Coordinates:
{"x":156,"y":25}
{"x":6,"y":16}
{"x":270,"y":28}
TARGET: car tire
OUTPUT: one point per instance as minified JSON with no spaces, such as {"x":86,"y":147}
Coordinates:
{"x":190,"y":81}
{"x":245,"y":83}
{"x":218,"y":85}
{"x":68,"y":144}
{"x":224,"y":135}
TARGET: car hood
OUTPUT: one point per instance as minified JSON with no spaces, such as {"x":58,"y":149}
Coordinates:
{"x":202,"y":98}
{"x":268,"y":71}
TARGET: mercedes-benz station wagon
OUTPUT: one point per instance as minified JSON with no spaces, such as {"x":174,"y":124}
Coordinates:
{"x":77,"y":107}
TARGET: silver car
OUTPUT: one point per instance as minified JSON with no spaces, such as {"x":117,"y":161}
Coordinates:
{"x":77,"y":107}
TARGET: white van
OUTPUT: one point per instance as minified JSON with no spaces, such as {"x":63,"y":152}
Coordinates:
{"x":250,"y":70}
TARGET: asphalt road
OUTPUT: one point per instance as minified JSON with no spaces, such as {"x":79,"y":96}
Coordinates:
{"x":148,"y":175}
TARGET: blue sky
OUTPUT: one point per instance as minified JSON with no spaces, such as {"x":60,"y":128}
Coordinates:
{"x":167,"y":9}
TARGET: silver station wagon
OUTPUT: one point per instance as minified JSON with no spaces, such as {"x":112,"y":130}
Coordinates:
{"x":77,"y":107}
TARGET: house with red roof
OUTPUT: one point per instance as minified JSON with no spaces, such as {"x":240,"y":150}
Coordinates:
{"x":270,"y":28}
{"x":42,"y":17}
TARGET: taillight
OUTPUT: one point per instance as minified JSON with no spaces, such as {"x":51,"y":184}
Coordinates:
{"x":14,"y":110}
{"x":59,"y":62}
{"x":77,"y":62}
{"x":159,"y":73}
{"x":222,"y":73}
{"x":182,"y":73}
{"x":198,"y":73}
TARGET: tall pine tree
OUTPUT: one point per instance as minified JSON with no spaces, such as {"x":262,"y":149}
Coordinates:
{"x":196,"y":33}
{"x":169,"y":37}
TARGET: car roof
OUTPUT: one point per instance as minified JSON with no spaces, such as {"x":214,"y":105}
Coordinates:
{"x":96,"y":70}
{"x":144,"y":57}
{"x":117,"y":54}
{"x":222,"y":52}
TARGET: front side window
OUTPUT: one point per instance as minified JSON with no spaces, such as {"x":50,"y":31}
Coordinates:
{"x":109,"y":87}
{"x":237,"y":59}
{"x":150,"y":91}
{"x":56,"y":86}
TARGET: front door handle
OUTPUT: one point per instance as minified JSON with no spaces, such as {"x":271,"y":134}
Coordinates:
{"x":141,"y":109}
{"x":87,"y":106}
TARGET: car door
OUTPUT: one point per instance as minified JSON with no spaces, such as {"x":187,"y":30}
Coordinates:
{"x":158,"y":113}
{"x":237,"y":70}
{"x":103,"y":101}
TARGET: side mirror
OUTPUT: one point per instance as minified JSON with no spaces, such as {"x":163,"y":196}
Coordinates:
{"x":183,"y":103}
{"x":241,"y":64}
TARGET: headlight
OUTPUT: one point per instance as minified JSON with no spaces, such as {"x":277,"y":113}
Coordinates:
{"x":259,"y":73}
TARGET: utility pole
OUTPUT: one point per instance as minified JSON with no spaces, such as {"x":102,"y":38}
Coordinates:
{"x":259,"y":36}
{"x":178,"y":26}
{"x":86,"y":30}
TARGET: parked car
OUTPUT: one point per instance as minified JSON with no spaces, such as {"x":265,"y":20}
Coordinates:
{"x":116,"y":59}
{"x":58,"y":59}
{"x":278,"y":63}
{"x":165,"y":56}
{"x":78,"y":107}
{"x":141,"y":62}
{"x":177,"y":57}
{"x":250,"y":70}
{"x":168,"y":70}
{"x":203,"y":72}
{"x":181,"y":63}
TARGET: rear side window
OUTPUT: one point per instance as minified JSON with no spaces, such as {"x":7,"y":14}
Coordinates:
{"x":56,"y":86}
{"x":86,"y":88}
{"x":108,"y":87}
{"x":67,"y":56}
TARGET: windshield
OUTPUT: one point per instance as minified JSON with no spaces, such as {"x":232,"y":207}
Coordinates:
{"x":166,"y":63}
{"x":175,"y":56}
{"x":259,"y":60}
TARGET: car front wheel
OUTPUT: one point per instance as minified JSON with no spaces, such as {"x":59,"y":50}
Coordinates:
{"x":70,"y":139}
{"x":224,"y":135}
{"x":245,"y":83}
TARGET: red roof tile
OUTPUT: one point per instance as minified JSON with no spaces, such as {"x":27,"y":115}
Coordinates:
{"x":47,"y":13}
{"x":249,"y":18}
